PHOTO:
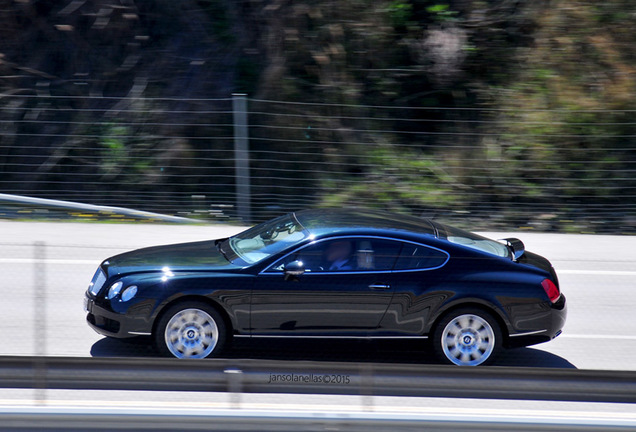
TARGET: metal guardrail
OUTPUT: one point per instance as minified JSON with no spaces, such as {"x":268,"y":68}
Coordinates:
{"x":97,"y":420}
{"x":97,"y":209}
{"x":366,"y":379}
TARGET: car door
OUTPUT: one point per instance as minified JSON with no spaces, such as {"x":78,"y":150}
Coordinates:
{"x":417,"y":276}
{"x":347,"y":295}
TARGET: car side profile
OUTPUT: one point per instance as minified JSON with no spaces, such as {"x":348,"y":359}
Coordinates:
{"x":333,"y":273}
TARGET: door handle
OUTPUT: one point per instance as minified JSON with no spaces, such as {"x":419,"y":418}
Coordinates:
{"x":379,"y":287}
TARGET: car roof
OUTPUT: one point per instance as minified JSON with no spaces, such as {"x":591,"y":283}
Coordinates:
{"x":328,"y":221}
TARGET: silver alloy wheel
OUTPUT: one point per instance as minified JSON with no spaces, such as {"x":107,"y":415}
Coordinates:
{"x":468,"y":340}
{"x":191,"y":333}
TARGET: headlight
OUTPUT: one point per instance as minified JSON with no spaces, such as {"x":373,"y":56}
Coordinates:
{"x":126,"y":294}
{"x":129,"y":293}
{"x":97,"y":282}
{"x":114,"y":290}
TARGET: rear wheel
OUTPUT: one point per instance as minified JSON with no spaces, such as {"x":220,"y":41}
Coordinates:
{"x":190,"y":330}
{"x":467,"y":337}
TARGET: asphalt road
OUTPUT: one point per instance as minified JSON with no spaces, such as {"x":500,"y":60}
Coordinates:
{"x":42,"y":288}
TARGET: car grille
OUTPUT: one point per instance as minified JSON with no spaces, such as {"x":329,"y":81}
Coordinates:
{"x":104,"y":323}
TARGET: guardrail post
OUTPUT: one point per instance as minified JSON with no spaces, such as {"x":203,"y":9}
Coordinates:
{"x":234,"y":386}
{"x":366,"y":386}
{"x":39,"y":321}
{"x":241,"y":157}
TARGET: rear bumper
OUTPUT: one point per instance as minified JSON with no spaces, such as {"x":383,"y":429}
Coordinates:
{"x":549,"y":327}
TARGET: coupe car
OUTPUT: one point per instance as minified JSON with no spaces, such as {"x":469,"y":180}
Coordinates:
{"x":333,"y":274}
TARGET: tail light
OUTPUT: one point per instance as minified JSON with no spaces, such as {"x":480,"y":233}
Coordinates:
{"x":551,"y":290}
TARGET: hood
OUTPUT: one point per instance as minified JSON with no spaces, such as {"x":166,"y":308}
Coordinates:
{"x":195,"y":256}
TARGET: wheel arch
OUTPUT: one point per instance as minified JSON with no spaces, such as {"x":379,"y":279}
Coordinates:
{"x":200,"y":299}
{"x":473,"y":304}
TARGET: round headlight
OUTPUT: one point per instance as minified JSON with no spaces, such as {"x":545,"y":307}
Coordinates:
{"x":114,"y":290}
{"x":129,"y":293}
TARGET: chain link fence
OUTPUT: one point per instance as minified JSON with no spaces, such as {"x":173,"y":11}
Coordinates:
{"x":217,"y":159}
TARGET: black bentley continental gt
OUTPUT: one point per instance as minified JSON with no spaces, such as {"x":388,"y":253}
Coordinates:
{"x":328,"y":274}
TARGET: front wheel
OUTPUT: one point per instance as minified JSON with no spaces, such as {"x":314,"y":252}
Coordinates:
{"x":467,"y":337}
{"x":190,"y":330}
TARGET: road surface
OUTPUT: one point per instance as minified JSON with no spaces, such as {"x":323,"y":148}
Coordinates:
{"x":42,"y":288}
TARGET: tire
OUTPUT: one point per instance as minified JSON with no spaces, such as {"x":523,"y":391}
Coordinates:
{"x":191,"y":330}
{"x":467,"y":337}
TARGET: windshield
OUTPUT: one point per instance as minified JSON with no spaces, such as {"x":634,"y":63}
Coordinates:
{"x":474,"y":241}
{"x":267,"y":239}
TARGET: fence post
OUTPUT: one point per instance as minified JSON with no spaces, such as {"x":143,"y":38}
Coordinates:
{"x":241,"y":157}
{"x":39,"y":320}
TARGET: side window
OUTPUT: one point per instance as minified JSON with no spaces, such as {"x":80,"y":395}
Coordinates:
{"x":345,"y":255}
{"x":375,"y":254}
{"x":418,"y":257}
{"x":326,"y":256}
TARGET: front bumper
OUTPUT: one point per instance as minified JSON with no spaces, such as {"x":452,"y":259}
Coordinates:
{"x":105,"y":321}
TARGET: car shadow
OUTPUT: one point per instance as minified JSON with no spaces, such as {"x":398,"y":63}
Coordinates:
{"x":339,"y":350}
{"x":532,"y":357}
{"x":133,"y":347}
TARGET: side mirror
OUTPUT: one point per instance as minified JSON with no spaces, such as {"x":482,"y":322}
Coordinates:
{"x":294,"y":269}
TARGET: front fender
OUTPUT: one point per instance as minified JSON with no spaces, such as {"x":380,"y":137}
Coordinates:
{"x":230,"y":292}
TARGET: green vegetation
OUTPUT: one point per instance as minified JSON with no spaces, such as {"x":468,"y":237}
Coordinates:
{"x":541,"y":92}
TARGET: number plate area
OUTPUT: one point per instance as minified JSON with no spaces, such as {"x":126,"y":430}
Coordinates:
{"x":88,"y":305}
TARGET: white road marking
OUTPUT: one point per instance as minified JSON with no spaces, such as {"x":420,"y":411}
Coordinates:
{"x":98,"y":261}
{"x":570,"y":272}
{"x":48,"y":261}
{"x":597,"y":336}
{"x":597,"y":272}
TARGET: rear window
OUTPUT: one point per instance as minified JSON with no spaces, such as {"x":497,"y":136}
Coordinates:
{"x":418,"y":257}
{"x":473,"y":241}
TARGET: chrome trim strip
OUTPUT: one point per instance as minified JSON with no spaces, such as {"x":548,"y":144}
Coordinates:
{"x":529,"y":333}
{"x":330,"y":337}
{"x":140,"y":333}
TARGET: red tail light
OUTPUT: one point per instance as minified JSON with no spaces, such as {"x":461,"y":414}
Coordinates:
{"x":551,"y":290}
